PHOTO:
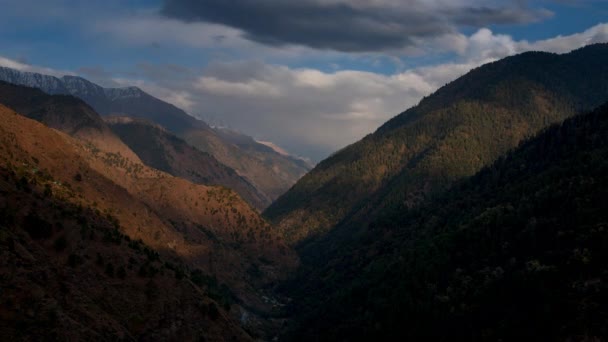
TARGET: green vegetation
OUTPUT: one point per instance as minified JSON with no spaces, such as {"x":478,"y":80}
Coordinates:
{"x":450,"y":135}
{"x":516,"y":252}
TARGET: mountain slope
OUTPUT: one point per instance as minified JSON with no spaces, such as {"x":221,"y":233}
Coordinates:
{"x":516,"y":252}
{"x":449,"y":135}
{"x":206,"y":228}
{"x":164,"y":151}
{"x":74,"y":117}
{"x":271,"y":172}
{"x":65,"y":113}
{"x":68,"y":274}
{"x":49,"y":84}
{"x":264,"y":149}
{"x":260,"y":159}
{"x":130,"y":101}
{"x":69,"y":269}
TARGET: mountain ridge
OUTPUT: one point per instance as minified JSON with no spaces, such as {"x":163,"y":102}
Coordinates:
{"x":270,"y":172}
{"x":451,"y":134}
{"x":164,"y":151}
{"x":514,"y":252}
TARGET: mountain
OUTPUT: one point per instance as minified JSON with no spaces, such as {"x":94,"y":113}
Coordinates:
{"x":157,"y":147}
{"x":64,"y":113}
{"x":51,"y":85}
{"x":449,"y":135}
{"x":265,"y":149}
{"x":164,"y":151}
{"x":130,"y":101}
{"x":270,"y":172}
{"x":516,"y":252}
{"x":284,"y":165}
{"x":70,"y":271}
{"x":63,"y":280}
{"x":220,"y":240}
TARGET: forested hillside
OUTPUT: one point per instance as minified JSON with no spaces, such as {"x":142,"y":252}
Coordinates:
{"x":450,"y":135}
{"x":516,"y":252}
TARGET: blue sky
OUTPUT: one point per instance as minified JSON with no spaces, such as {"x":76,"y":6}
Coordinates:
{"x":311,"y":76}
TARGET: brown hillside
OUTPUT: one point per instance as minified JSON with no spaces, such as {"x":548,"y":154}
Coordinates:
{"x":209,"y":228}
{"x":268,"y":171}
{"x":69,"y":274}
{"x":65,"y":113}
{"x":160,"y":149}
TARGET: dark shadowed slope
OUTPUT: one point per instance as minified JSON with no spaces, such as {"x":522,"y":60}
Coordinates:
{"x":69,"y":274}
{"x":517,"y":252}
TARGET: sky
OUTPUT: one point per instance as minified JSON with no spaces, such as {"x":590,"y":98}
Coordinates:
{"x":312,"y":76}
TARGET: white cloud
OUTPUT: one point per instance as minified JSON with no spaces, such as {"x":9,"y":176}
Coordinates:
{"x":312,"y":112}
{"x":246,"y":88}
{"x":562,"y":44}
{"x":314,"y":79}
{"x":13,"y":64}
{"x":307,"y":111}
{"x":486,"y":44}
{"x":9,"y":63}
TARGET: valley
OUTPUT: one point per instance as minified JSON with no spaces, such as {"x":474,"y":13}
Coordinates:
{"x":478,"y":214}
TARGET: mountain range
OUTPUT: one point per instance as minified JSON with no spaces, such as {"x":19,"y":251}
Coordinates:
{"x":269,"y":172}
{"x":477,"y":215}
{"x":200,"y":231}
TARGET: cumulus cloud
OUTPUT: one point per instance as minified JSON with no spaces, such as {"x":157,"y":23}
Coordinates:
{"x":246,"y":88}
{"x":313,"y":112}
{"x":562,"y":44}
{"x":21,"y":66}
{"x":347,"y":25}
{"x":308,"y":111}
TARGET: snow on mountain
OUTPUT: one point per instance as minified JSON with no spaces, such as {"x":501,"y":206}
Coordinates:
{"x":49,"y":84}
{"x":66,"y":85}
